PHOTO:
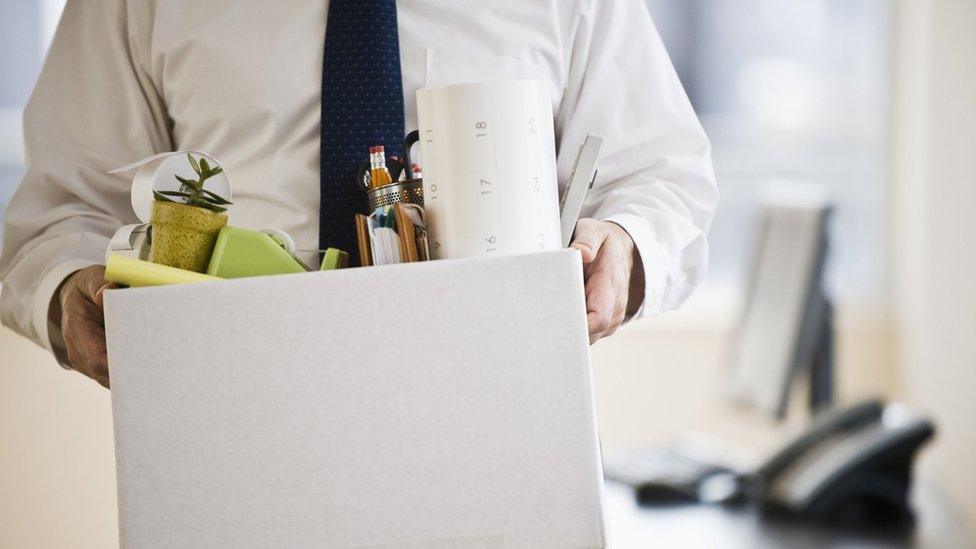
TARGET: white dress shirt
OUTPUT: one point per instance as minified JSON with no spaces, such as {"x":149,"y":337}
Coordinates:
{"x":125,"y":79}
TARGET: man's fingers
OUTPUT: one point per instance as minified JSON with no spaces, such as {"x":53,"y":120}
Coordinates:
{"x":606,"y":304}
{"x":82,"y":325}
{"x":607,"y":264}
{"x":600,"y":298}
{"x":589,"y":238}
{"x":596,"y":324}
{"x":86,"y":352}
{"x":603,"y":321}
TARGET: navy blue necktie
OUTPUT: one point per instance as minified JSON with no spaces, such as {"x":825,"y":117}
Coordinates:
{"x":362,"y":106}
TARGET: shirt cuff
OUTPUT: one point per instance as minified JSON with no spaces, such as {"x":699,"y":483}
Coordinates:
{"x":651,"y":257}
{"x":42,"y":301}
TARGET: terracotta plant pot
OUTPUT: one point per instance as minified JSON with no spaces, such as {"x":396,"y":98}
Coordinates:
{"x":184,"y":236}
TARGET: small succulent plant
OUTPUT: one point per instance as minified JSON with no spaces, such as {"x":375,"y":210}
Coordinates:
{"x":192,"y":192}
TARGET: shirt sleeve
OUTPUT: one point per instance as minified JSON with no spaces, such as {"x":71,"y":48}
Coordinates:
{"x":94,"y":109}
{"x":655,"y":172}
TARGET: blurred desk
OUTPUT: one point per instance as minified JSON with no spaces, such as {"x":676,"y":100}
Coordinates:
{"x":938,"y":525}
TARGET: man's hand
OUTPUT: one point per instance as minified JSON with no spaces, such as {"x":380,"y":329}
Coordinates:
{"x":613,"y":272}
{"x":77,"y":307}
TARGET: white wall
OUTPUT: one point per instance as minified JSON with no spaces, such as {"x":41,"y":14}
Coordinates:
{"x":934,"y":245}
{"x":57,"y":460}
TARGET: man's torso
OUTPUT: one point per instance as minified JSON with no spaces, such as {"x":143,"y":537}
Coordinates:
{"x":242,"y":80}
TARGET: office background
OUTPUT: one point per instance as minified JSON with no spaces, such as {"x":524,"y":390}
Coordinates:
{"x":868,"y":101}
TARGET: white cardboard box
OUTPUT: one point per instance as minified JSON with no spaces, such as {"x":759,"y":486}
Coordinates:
{"x":439,"y":404}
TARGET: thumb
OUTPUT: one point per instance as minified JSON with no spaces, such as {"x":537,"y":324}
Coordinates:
{"x":588,"y":239}
{"x":91,"y":282}
{"x":99,"y":297}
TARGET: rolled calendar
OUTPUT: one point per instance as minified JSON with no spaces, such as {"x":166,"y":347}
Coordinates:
{"x":489,"y":161}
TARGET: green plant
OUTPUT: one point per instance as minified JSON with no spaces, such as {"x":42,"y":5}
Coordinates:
{"x":192,"y":192}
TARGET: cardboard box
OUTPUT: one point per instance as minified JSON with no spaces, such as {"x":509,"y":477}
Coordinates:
{"x":439,"y":404}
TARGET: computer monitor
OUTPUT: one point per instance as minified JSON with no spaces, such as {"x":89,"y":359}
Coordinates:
{"x":785,"y":327}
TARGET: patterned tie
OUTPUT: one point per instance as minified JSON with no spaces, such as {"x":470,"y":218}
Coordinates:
{"x":362,"y":106}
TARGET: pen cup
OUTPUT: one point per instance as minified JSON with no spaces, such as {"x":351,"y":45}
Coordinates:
{"x":410,"y":191}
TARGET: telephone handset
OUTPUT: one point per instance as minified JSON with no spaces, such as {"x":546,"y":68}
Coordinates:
{"x":850,"y":464}
{"x":827,"y":423}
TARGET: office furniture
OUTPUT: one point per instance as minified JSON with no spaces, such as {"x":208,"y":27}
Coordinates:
{"x":939,"y":524}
